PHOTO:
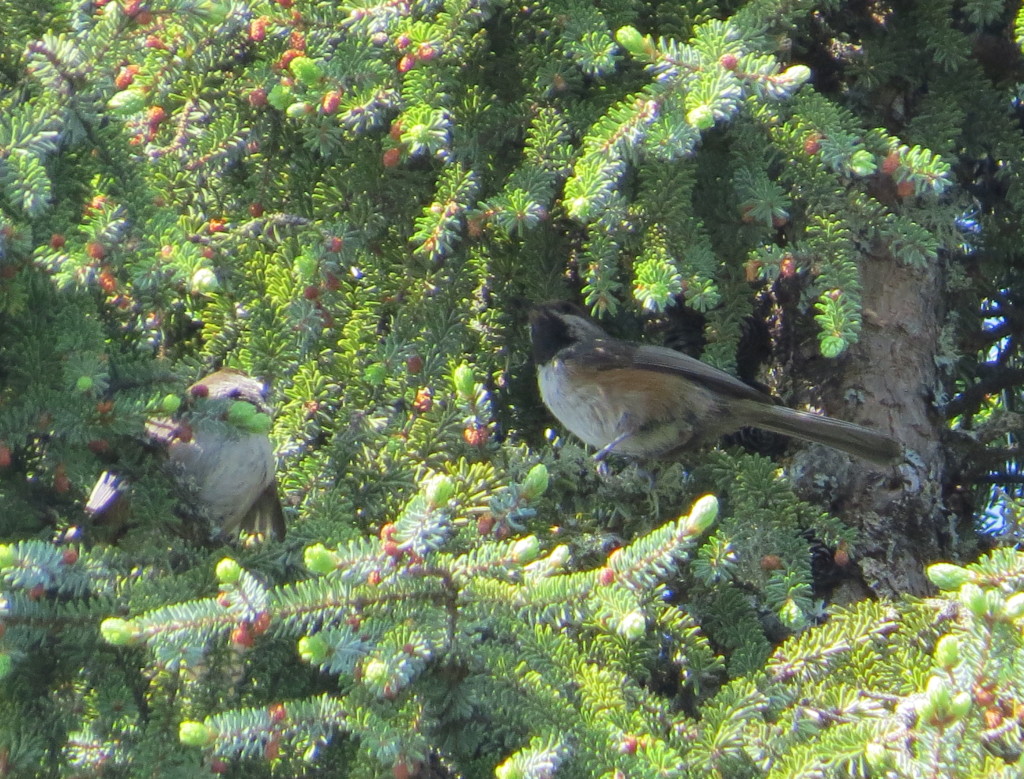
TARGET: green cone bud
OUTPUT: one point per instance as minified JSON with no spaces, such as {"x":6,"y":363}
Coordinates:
{"x":298,"y":109}
{"x":170,"y":403}
{"x":1014,"y":606}
{"x":791,"y":615}
{"x":832,"y":346}
{"x":319,"y":559}
{"x":203,"y":282}
{"x":306,"y":267}
{"x":127,"y":101}
{"x":119,"y":632}
{"x":280,"y":96}
{"x":960,"y":705}
{"x":701,"y":117}
{"x":796,"y":74}
{"x":631,"y":40}
{"x":465,"y":383}
{"x":375,"y":374}
{"x":7,"y":556}
{"x":195,"y":734}
{"x":947,"y":652}
{"x":439,"y":490}
{"x":863,"y":162}
{"x":974,"y":598}
{"x":509,"y":770}
{"x":947,"y":576}
{"x":375,"y":672}
{"x":228,"y":571}
{"x":702,"y":514}
{"x":6,"y":664}
{"x":240,"y":412}
{"x":551,"y":563}
{"x":305,"y":70}
{"x":526,"y":550}
{"x":212,"y":11}
{"x":938,"y":692}
{"x":559,"y":557}
{"x":84,"y":383}
{"x":633,"y":626}
{"x":536,"y":482}
{"x":313,"y":649}
{"x":258,"y":424}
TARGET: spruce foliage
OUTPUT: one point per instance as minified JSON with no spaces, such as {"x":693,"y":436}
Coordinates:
{"x":357,"y":203}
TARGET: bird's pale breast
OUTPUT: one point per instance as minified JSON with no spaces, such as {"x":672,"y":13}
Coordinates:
{"x":228,"y":474}
{"x":648,"y":412}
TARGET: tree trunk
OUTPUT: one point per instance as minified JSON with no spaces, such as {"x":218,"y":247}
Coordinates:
{"x":887,"y":383}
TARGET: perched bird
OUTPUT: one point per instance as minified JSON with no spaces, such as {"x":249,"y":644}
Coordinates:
{"x":218,"y":448}
{"x":649,"y":401}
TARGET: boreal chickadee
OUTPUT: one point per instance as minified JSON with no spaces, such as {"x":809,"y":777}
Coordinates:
{"x":219,"y":450}
{"x":650,"y":401}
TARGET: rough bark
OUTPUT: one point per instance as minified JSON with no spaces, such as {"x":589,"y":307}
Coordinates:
{"x":887,"y":382}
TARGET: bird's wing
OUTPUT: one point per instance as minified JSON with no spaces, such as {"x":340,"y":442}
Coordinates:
{"x":162,"y":430}
{"x":605,"y":355}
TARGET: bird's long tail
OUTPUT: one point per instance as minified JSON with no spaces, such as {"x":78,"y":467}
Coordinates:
{"x":853,"y":439}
